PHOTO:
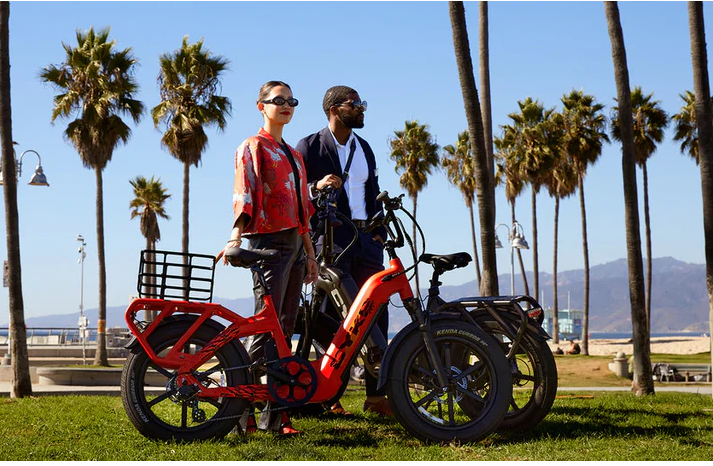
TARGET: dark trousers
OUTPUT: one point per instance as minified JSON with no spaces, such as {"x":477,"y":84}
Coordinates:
{"x":362,"y":261}
{"x":284,"y":280}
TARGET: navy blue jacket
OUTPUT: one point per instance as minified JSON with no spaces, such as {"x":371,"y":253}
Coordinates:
{"x":321,"y":159}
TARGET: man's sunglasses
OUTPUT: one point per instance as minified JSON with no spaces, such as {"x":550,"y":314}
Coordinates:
{"x":355,"y":104}
{"x":280,"y":101}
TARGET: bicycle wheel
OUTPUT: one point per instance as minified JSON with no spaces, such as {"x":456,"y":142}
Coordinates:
{"x":534,"y":378}
{"x":168,"y":414}
{"x":477,"y":393}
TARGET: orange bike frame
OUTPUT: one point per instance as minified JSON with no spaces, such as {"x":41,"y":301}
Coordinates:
{"x":329,"y":368}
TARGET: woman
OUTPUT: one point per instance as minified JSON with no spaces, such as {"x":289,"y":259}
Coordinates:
{"x":271,"y":208}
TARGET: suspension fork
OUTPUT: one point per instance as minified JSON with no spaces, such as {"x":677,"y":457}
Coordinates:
{"x":415,"y":310}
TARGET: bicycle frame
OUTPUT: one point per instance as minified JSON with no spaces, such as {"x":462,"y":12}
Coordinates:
{"x":342,"y":352}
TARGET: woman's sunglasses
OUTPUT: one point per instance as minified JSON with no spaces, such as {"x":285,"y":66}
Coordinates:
{"x":280,"y":101}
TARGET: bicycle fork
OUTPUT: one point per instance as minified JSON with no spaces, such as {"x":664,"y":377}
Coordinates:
{"x":415,"y":310}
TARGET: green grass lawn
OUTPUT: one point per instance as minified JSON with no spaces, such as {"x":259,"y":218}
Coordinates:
{"x":609,"y":426}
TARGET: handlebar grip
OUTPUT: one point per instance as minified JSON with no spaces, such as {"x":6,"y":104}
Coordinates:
{"x":383,"y":196}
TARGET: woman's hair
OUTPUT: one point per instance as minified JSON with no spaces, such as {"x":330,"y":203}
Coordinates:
{"x":267,"y":87}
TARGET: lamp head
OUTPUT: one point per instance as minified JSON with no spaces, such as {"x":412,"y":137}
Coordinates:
{"x":498,"y":244}
{"x":39,"y":178}
{"x":520,"y":243}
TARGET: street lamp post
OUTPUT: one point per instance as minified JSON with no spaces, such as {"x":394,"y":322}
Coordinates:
{"x":37,"y":179}
{"x":83,"y":321}
{"x":516,"y":237}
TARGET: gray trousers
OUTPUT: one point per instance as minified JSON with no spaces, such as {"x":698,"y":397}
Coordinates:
{"x":284,"y":280}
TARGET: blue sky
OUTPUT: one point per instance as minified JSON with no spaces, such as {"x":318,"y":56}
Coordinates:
{"x":399,"y":56}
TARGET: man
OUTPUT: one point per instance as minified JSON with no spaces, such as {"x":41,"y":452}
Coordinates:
{"x":336,"y":156}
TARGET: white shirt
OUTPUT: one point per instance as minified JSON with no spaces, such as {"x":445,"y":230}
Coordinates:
{"x":355,"y":186}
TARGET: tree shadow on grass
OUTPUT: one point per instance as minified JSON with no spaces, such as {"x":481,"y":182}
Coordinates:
{"x":567,"y":422}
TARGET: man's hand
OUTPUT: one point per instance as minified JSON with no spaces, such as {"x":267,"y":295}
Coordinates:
{"x":379,"y":239}
{"x":329,"y":180}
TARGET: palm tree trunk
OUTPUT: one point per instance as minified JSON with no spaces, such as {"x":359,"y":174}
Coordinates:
{"x":585,"y":249}
{"x":100,"y":357}
{"x":151,"y":245}
{"x":535,"y":261}
{"x":415,"y":242}
{"x":519,"y":253}
{"x":704,"y":123}
{"x":184,"y":238}
{"x":476,"y":262}
{"x":643,"y":382}
{"x":484,"y":57}
{"x":21,"y":384}
{"x":555,"y":317}
{"x":484,"y":188}
{"x":647,"y":223}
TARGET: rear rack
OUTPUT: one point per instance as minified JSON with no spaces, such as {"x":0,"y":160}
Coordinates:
{"x":163,"y":275}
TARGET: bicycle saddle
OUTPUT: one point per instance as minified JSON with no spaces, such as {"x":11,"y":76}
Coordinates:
{"x":446,"y":262}
{"x":245,"y":258}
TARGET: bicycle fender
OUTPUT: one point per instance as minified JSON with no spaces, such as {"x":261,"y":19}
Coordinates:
{"x":396,"y":341}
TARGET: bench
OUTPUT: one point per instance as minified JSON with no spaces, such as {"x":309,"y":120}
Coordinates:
{"x":684,"y":372}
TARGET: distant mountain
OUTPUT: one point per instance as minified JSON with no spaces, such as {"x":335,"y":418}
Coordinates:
{"x":679,"y":301}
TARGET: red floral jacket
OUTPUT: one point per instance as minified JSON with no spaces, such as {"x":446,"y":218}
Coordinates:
{"x":264,"y":187}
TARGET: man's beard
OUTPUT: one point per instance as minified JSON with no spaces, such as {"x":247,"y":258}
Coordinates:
{"x":352,"y":121}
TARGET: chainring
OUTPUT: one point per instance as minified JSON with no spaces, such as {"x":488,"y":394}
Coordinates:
{"x":292,"y":381}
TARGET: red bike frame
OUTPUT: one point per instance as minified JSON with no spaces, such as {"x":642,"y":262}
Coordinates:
{"x":329,"y":368}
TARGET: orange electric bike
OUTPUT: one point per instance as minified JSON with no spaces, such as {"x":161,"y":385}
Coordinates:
{"x":188,"y":376}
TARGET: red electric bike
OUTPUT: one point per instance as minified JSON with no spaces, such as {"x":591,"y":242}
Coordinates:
{"x":188,"y":376}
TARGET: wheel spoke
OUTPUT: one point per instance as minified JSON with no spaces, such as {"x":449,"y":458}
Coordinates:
{"x":529,"y":378}
{"x":158,"y":399}
{"x":427,"y":398}
{"x":161,"y":370}
{"x":477,"y":398}
{"x":451,"y":415}
{"x":212,"y":401}
{"x":513,"y":404}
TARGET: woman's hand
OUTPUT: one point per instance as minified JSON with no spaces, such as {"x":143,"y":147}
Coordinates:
{"x":310,"y":260}
{"x":232,"y":243}
{"x":312,"y":269}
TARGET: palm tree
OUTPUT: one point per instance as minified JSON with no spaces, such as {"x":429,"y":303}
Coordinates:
{"x":704,"y":123}
{"x":484,"y":58}
{"x":483,"y":174}
{"x":561,"y":182}
{"x":584,"y":136}
{"x":643,"y":382}
{"x":650,"y":120}
{"x":458,"y":164}
{"x":96,"y":84}
{"x":189,"y":80}
{"x":147,"y":204}
{"x":21,"y":382}
{"x":415,"y":155}
{"x":532,"y":162}
{"x":507,"y":174}
{"x":685,"y":127}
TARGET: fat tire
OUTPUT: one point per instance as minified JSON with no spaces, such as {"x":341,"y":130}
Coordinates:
{"x":137,"y":401}
{"x":536,"y":370}
{"x":410,"y":369}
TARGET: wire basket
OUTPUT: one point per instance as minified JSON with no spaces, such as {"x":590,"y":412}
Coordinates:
{"x":164,"y":275}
